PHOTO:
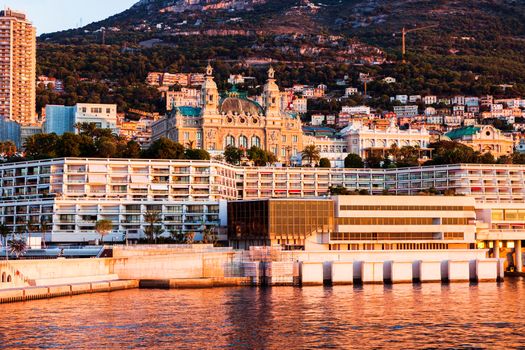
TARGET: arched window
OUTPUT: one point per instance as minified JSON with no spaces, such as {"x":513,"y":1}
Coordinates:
{"x":230,"y":141}
{"x":243,"y":141}
{"x":256,"y":141}
{"x":9,"y":279}
{"x":3,"y":277}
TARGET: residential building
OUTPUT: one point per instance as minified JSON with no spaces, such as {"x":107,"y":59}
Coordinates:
{"x":430,"y":100}
{"x":363,"y":140}
{"x":356,"y":110}
{"x":406,"y":111}
{"x":10,"y":131}
{"x":318,"y":119}
{"x":17,"y":67}
{"x":61,"y":119}
{"x":73,"y":194}
{"x":351,"y":91}
{"x":186,"y":97}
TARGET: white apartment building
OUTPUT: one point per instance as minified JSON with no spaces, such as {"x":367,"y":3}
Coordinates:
{"x":73,"y":194}
{"x":351,"y":91}
{"x":186,"y":97}
{"x":430,"y":100}
{"x":356,"y":110}
{"x":102,"y":115}
{"x":363,"y":140}
{"x":406,"y":111}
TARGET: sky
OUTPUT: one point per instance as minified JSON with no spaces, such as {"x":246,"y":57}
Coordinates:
{"x":53,"y":15}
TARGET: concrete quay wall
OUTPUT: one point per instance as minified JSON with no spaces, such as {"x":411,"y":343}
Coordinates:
{"x":46,"y":292}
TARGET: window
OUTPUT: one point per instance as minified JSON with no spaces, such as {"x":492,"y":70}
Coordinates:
{"x":230,"y":141}
{"x":295,"y":139}
{"x":108,"y":110}
{"x":243,"y":142}
{"x":186,"y":136}
{"x":256,"y":141}
{"x":284,"y":138}
{"x":283,"y":152}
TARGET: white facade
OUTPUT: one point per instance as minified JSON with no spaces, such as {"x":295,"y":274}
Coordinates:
{"x":361,"y":139}
{"x":430,"y":100}
{"x":103,"y":115}
{"x":356,"y":110}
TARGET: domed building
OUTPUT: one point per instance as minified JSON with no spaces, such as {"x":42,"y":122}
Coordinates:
{"x":234,"y":120}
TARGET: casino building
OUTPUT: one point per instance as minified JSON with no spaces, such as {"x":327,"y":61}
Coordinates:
{"x":231,"y":119}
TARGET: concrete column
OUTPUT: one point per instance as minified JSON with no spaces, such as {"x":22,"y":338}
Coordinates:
{"x":496,"y":249}
{"x":519,"y":261}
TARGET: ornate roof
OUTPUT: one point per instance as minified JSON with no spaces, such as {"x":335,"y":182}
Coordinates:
{"x":240,"y":106}
{"x":187,"y":111}
{"x":461,"y":132}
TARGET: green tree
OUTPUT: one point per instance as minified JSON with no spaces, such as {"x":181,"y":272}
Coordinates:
{"x":153,"y":228}
{"x":132,"y":150}
{"x":325,"y":163}
{"x":18,"y":247}
{"x":311,"y":154}
{"x":233,"y":155}
{"x":41,"y":146}
{"x":260,"y":157}
{"x":197,"y":154}
{"x":165,"y":148}
{"x":4,"y":232}
{"x":354,"y":161}
{"x":103,"y":228}
{"x":106,"y":147}
{"x":209,"y":236}
{"x":68,"y":145}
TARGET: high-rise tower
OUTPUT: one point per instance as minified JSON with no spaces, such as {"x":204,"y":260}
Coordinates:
{"x":17,"y":67}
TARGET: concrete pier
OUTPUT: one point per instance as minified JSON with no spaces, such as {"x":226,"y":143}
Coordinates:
{"x":342,"y":272}
{"x":398,"y":271}
{"x":457,"y":270}
{"x":34,"y":293}
{"x":486,"y":270}
{"x":429,"y":271}
{"x":373,"y":272}
{"x":312,"y":273}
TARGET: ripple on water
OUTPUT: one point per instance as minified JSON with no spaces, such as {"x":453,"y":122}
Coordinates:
{"x":429,"y":316}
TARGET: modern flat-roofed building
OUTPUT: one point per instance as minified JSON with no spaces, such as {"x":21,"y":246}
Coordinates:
{"x":62,"y":119}
{"x":355,"y":223}
{"x":17,"y":67}
{"x":73,"y":194}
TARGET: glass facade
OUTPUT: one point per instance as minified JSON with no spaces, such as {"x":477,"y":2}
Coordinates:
{"x":284,"y":222}
{"x":60,"y":119}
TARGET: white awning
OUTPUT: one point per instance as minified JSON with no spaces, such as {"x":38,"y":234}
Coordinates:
{"x":138,"y":186}
{"x":97,"y":179}
{"x":159,"y":187}
{"x":98,"y":168}
{"x":139,"y":179}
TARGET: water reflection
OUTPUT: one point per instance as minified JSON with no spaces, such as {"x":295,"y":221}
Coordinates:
{"x":488,"y":315}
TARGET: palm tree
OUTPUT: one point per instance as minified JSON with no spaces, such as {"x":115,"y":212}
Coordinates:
{"x":177,"y":236}
{"x":153,"y":230}
{"x":18,"y":247}
{"x":103,"y":227}
{"x":4,"y":232}
{"x":312,"y":154}
{"x":189,"y":237}
{"x":44,"y":227}
{"x":209,"y":236}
